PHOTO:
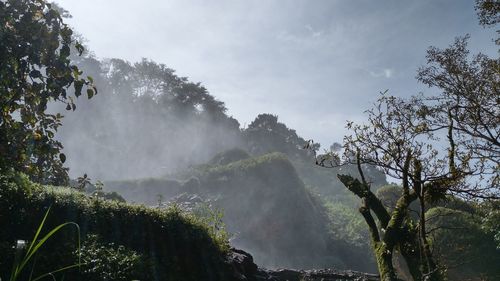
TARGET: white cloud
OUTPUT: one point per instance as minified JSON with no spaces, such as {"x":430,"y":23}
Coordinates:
{"x":386,"y":73}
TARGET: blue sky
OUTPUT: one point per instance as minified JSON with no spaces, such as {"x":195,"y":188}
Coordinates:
{"x":315,"y":64}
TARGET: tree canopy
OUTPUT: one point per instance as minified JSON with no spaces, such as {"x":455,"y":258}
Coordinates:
{"x":35,"y":69}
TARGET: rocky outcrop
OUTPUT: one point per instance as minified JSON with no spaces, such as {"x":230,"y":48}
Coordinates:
{"x":245,"y":269}
{"x":321,"y":275}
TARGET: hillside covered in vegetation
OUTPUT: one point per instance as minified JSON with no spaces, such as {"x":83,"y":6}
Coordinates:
{"x":118,"y":170}
{"x":266,"y":207}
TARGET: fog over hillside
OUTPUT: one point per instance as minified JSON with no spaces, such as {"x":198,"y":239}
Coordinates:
{"x":156,"y":137}
{"x":149,"y":122}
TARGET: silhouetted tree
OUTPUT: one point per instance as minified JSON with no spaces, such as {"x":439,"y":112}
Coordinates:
{"x":265,"y":134}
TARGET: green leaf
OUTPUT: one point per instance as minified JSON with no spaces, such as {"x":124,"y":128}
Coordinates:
{"x":62,"y":157}
{"x":78,"y":88}
{"x":79,"y":47}
{"x":90,"y":93}
{"x":65,"y":51}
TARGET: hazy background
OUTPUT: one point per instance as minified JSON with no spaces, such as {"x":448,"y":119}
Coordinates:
{"x":315,"y":64}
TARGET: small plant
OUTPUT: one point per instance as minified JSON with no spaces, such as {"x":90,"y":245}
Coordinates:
{"x":212,"y":217}
{"x":159,"y":197}
{"x":83,"y":182}
{"x":20,"y":261}
{"x":99,"y":186}
{"x":109,"y":261}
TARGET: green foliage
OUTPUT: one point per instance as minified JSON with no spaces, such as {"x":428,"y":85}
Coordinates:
{"x":20,"y":263}
{"x":228,"y":156}
{"x":213,"y":218}
{"x":265,"y":135}
{"x":35,"y":69}
{"x":179,"y":245}
{"x":83,"y":181}
{"x":346,"y":224}
{"x":108,"y":261}
{"x":389,"y":195}
{"x":491,"y":220}
{"x":463,"y":245}
{"x":275,"y":159}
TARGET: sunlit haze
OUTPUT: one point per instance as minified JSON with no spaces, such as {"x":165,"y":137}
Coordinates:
{"x":315,"y":64}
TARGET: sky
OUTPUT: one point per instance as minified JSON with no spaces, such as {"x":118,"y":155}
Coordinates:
{"x":315,"y":64}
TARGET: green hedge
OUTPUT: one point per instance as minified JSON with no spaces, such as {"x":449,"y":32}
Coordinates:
{"x":174,"y":245}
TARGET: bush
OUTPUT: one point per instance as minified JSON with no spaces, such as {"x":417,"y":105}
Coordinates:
{"x":463,"y":245}
{"x":178,"y":245}
{"x":108,"y":261}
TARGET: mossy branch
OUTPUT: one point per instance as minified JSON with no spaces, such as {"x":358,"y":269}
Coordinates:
{"x":372,"y":202}
{"x":397,"y":218}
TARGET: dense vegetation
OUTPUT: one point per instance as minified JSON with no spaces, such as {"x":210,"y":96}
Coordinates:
{"x":120,"y":241}
{"x":35,"y":69}
{"x":260,"y":181}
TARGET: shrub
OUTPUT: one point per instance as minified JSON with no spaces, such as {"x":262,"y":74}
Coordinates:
{"x":179,"y":246}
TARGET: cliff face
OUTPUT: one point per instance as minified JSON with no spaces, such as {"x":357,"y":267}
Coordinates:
{"x":266,"y":207}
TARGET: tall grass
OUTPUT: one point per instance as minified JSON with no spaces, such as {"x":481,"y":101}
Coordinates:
{"x":21,"y":262}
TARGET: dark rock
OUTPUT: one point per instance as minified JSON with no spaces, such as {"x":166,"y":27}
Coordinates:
{"x":337,"y":275}
{"x":321,"y":275}
{"x":245,"y":269}
{"x":242,"y":263}
{"x":286,"y":274}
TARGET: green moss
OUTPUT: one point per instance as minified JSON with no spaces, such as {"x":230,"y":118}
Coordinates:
{"x":384,"y":262}
{"x":178,"y":245}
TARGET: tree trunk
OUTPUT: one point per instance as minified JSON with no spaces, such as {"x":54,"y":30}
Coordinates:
{"x":384,"y":261}
{"x":430,"y":270}
{"x":411,"y":254}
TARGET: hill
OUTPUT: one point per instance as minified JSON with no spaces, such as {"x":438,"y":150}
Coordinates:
{"x":266,"y":207}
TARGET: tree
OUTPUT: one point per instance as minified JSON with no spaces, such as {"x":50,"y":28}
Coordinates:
{"x":35,"y":69}
{"x":488,"y":12}
{"x":396,"y":141}
{"x":469,"y":106}
{"x":266,"y":134}
{"x":436,"y":146}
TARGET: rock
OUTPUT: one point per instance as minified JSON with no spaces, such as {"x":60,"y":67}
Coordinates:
{"x":287,"y":274}
{"x":337,"y":275}
{"x":321,"y":275}
{"x":245,"y":269}
{"x":242,"y":263}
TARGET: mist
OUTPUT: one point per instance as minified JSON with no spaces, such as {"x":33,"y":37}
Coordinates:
{"x":144,"y":122}
{"x":159,"y":139}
